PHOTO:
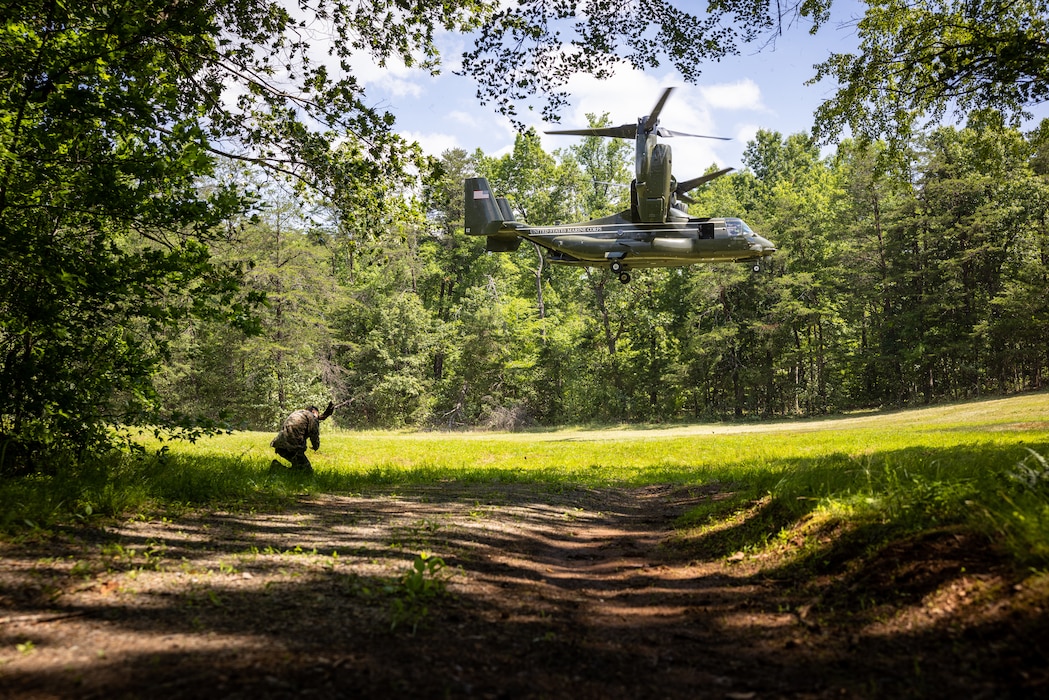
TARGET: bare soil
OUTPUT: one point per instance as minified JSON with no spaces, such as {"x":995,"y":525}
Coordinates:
{"x":545,"y":594}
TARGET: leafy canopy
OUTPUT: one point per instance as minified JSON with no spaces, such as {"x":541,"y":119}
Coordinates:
{"x":920,"y":60}
{"x":533,"y":47}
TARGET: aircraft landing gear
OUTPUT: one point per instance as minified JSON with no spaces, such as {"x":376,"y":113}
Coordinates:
{"x":619,"y":270}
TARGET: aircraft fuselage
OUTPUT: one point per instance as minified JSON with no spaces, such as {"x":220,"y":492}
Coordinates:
{"x":618,"y":241}
{"x":679,"y":241}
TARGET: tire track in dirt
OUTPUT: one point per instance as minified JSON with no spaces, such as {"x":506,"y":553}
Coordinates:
{"x":552,"y":593}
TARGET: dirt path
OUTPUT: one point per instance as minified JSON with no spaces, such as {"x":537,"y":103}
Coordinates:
{"x":580,"y":594}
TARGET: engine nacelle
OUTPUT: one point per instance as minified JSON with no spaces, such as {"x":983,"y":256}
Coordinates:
{"x":653,"y":194}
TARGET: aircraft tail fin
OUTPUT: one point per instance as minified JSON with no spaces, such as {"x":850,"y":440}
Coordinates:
{"x":486,"y":215}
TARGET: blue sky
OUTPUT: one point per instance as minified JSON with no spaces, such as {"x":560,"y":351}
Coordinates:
{"x":734,"y":98}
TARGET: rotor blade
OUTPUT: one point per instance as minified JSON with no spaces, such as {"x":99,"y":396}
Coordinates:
{"x":667,"y":132}
{"x":687,"y":185}
{"x":626,"y":131}
{"x":653,"y":119}
{"x":685,"y":198}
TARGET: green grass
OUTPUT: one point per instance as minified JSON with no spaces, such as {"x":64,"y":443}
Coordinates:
{"x":979,"y":465}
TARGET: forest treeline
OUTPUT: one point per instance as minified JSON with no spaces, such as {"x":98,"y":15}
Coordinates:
{"x":913,"y":277}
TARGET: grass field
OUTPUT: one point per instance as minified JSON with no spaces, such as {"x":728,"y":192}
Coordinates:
{"x":979,"y":465}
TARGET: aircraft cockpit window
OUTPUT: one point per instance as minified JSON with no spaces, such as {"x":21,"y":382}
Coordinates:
{"x":737,"y":227}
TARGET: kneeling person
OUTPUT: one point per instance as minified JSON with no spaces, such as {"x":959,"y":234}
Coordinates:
{"x":290,"y":442}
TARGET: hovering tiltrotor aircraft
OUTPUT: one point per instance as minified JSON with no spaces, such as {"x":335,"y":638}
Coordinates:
{"x":656,"y":231}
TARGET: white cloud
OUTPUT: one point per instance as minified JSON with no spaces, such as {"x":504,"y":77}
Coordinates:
{"x":395,"y":79}
{"x":442,"y":112}
{"x":460,"y":117}
{"x":504,"y":151}
{"x":742,"y":94}
{"x":746,"y":132}
{"x":433,"y":144}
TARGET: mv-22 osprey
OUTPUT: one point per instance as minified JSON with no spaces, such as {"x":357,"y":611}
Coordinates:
{"x":656,"y":231}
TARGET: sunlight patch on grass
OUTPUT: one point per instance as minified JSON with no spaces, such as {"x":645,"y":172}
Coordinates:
{"x":979,"y":464}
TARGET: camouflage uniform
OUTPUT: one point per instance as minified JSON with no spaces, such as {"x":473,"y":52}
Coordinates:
{"x":290,"y":442}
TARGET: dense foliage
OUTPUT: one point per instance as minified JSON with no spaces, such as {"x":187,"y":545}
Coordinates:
{"x":922,"y":60}
{"x":916,"y":284}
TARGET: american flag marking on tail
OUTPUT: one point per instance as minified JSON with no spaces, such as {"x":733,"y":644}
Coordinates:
{"x":480,"y":194}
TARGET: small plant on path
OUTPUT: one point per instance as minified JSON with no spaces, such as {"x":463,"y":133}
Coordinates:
{"x":422,"y":582}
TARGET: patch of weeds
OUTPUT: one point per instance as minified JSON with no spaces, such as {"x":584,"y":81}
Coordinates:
{"x":358,"y":586}
{"x":188,"y":568}
{"x":1016,"y":513}
{"x":414,"y":589}
{"x":297,"y":550}
{"x":151,"y":557}
{"x":720,"y":507}
{"x":917,"y":501}
{"x":248,"y":555}
{"x":83,"y":512}
{"x":82,"y":569}
{"x":1031,"y":473}
{"x":202,"y":597}
{"x":33,"y":533}
{"x":114,"y":550}
{"x":419,"y":533}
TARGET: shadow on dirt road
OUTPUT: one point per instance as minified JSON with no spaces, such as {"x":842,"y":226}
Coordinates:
{"x":572,"y":593}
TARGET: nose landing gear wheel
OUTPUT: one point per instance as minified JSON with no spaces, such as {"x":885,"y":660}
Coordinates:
{"x":618,"y":267}
{"x":624,"y":277}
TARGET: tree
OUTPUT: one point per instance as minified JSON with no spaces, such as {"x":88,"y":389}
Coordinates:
{"x":533,"y":47}
{"x":606,"y":167}
{"x":923,"y":59}
{"x":386,"y":343}
{"x":450,"y":264}
{"x":1016,"y":328}
{"x":877,"y":198}
{"x":253,"y":380}
{"x":970,"y":194}
{"x":103,"y":226}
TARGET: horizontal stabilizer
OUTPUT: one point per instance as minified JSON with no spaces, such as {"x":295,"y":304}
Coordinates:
{"x":688,"y":185}
{"x":502,"y":244}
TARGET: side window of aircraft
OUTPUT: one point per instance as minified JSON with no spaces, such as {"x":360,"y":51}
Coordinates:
{"x":734,"y":227}
{"x":706,"y":230}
